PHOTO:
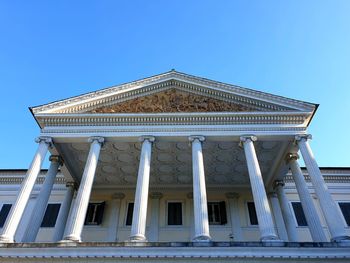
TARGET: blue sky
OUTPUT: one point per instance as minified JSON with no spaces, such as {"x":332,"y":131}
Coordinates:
{"x":51,"y":50}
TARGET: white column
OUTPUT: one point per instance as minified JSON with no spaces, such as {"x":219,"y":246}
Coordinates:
{"x":330,"y":210}
{"x":138,"y":227}
{"x":78,"y":214}
{"x":153,"y":234}
{"x":287,"y":213}
{"x":234,"y":215}
{"x":42,"y":200}
{"x":311,"y":215}
{"x":263,"y":211}
{"x":63,"y":213}
{"x":17,"y":209}
{"x":114,"y":216}
{"x":277,"y":214}
{"x":201,"y":222}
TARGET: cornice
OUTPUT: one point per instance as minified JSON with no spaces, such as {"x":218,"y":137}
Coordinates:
{"x":19,"y":179}
{"x":173,"y":79}
{"x":327,"y":178}
{"x":162,"y":119}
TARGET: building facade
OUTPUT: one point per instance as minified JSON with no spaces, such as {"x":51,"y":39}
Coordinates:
{"x":174,"y":167}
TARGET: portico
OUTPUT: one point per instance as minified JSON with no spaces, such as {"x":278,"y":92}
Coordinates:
{"x":176,"y":131}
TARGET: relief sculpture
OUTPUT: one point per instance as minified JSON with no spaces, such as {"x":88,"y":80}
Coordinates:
{"x":172,"y":101}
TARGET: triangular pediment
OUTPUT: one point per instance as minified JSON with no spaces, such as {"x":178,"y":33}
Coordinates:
{"x":172,"y":100}
{"x":173,"y":92}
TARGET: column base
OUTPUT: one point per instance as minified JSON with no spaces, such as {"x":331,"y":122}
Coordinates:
{"x":340,"y":239}
{"x":202,"y":238}
{"x":138,"y":238}
{"x":271,"y":238}
{"x":6,"y":239}
{"x":70,"y":239}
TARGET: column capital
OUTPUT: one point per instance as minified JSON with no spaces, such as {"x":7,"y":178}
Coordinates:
{"x":272,"y":194}
{"x":291,"y":157}
{"x":200,"y":138}
{"x":232,"y":195}
{"x":45,"y":139}
{"x":278,"y":183}
{"x":147,"y":138}
{"x":118,"y":196}
{"x":156,"y":195}
{"x":304,"y":137}
{"x":71,"y":184}
{"x":98,"y":139}
{"x":246,"y":138}
{"x":56,"y":158}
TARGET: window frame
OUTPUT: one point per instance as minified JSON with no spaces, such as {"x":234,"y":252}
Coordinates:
{"x":104,"y":211}
{"x":1,"y":206}
{"x":226,"y":210}
{"x":167,"y":213}
{"x":42,"y":221}
{"x":294,"y":215}
{"x":341,"y":212}
{"x":126,"y":213}
{"x":248,"y":214}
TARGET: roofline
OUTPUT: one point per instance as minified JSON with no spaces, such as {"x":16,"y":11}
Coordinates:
{"x":180,"y":73}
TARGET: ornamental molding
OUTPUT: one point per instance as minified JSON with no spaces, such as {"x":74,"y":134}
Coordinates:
{"x":181,"y":251}
{"x":327,"y":178}
{"x":119,"y":131}
{"x":170,"y":80}
{"x":180,"y":119}
{"x":19,"y":180}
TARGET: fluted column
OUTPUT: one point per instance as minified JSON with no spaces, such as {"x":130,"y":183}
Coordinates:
{"x":201,"y":222}
{"x":234,"y":215}
{"x":154,"y":226}
{"x":114,"y":216}
{"x":42,"y":200}
{"x":287,"y":213}
{"x":62,"y":217}
{"x":263,"y":211}
{"x":277,"y":214}
{"x":138,"y":228}
{"x":329,"y":207}
{"x":27,"y":185}
{"x":311,"y":215}
{"x":76,"y":222}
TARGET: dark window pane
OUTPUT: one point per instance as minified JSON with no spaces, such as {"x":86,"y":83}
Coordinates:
{"x":299,"y":214}
{"x":4,"y":213}
{"x":50,"y":216}
{"x":129,"y":214}
{"x":174,"y":213}
{"x":223,"y":214}
{"x":252,"y":213}
{"x":94,"y":214}
{"x":217,"y":213}
{"x":345,"y":208}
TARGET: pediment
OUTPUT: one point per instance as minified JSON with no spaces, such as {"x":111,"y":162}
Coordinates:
{"x":172,"y":100}
{"x":173,"y":92}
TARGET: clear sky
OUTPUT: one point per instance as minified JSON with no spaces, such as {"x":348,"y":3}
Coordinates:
{"x":51,"y":50}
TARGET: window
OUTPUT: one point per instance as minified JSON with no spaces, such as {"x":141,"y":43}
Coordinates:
{"x":252,"y":214}
{"x":4,"y":212}
{"x":217,"y":213}
{"x":345,"y":209}
{"x":299,"y":214}
{"x":94,"y":214}
{"x":174,"y":213}
{"x":129,"y":214}
{"x":50,"y":215}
